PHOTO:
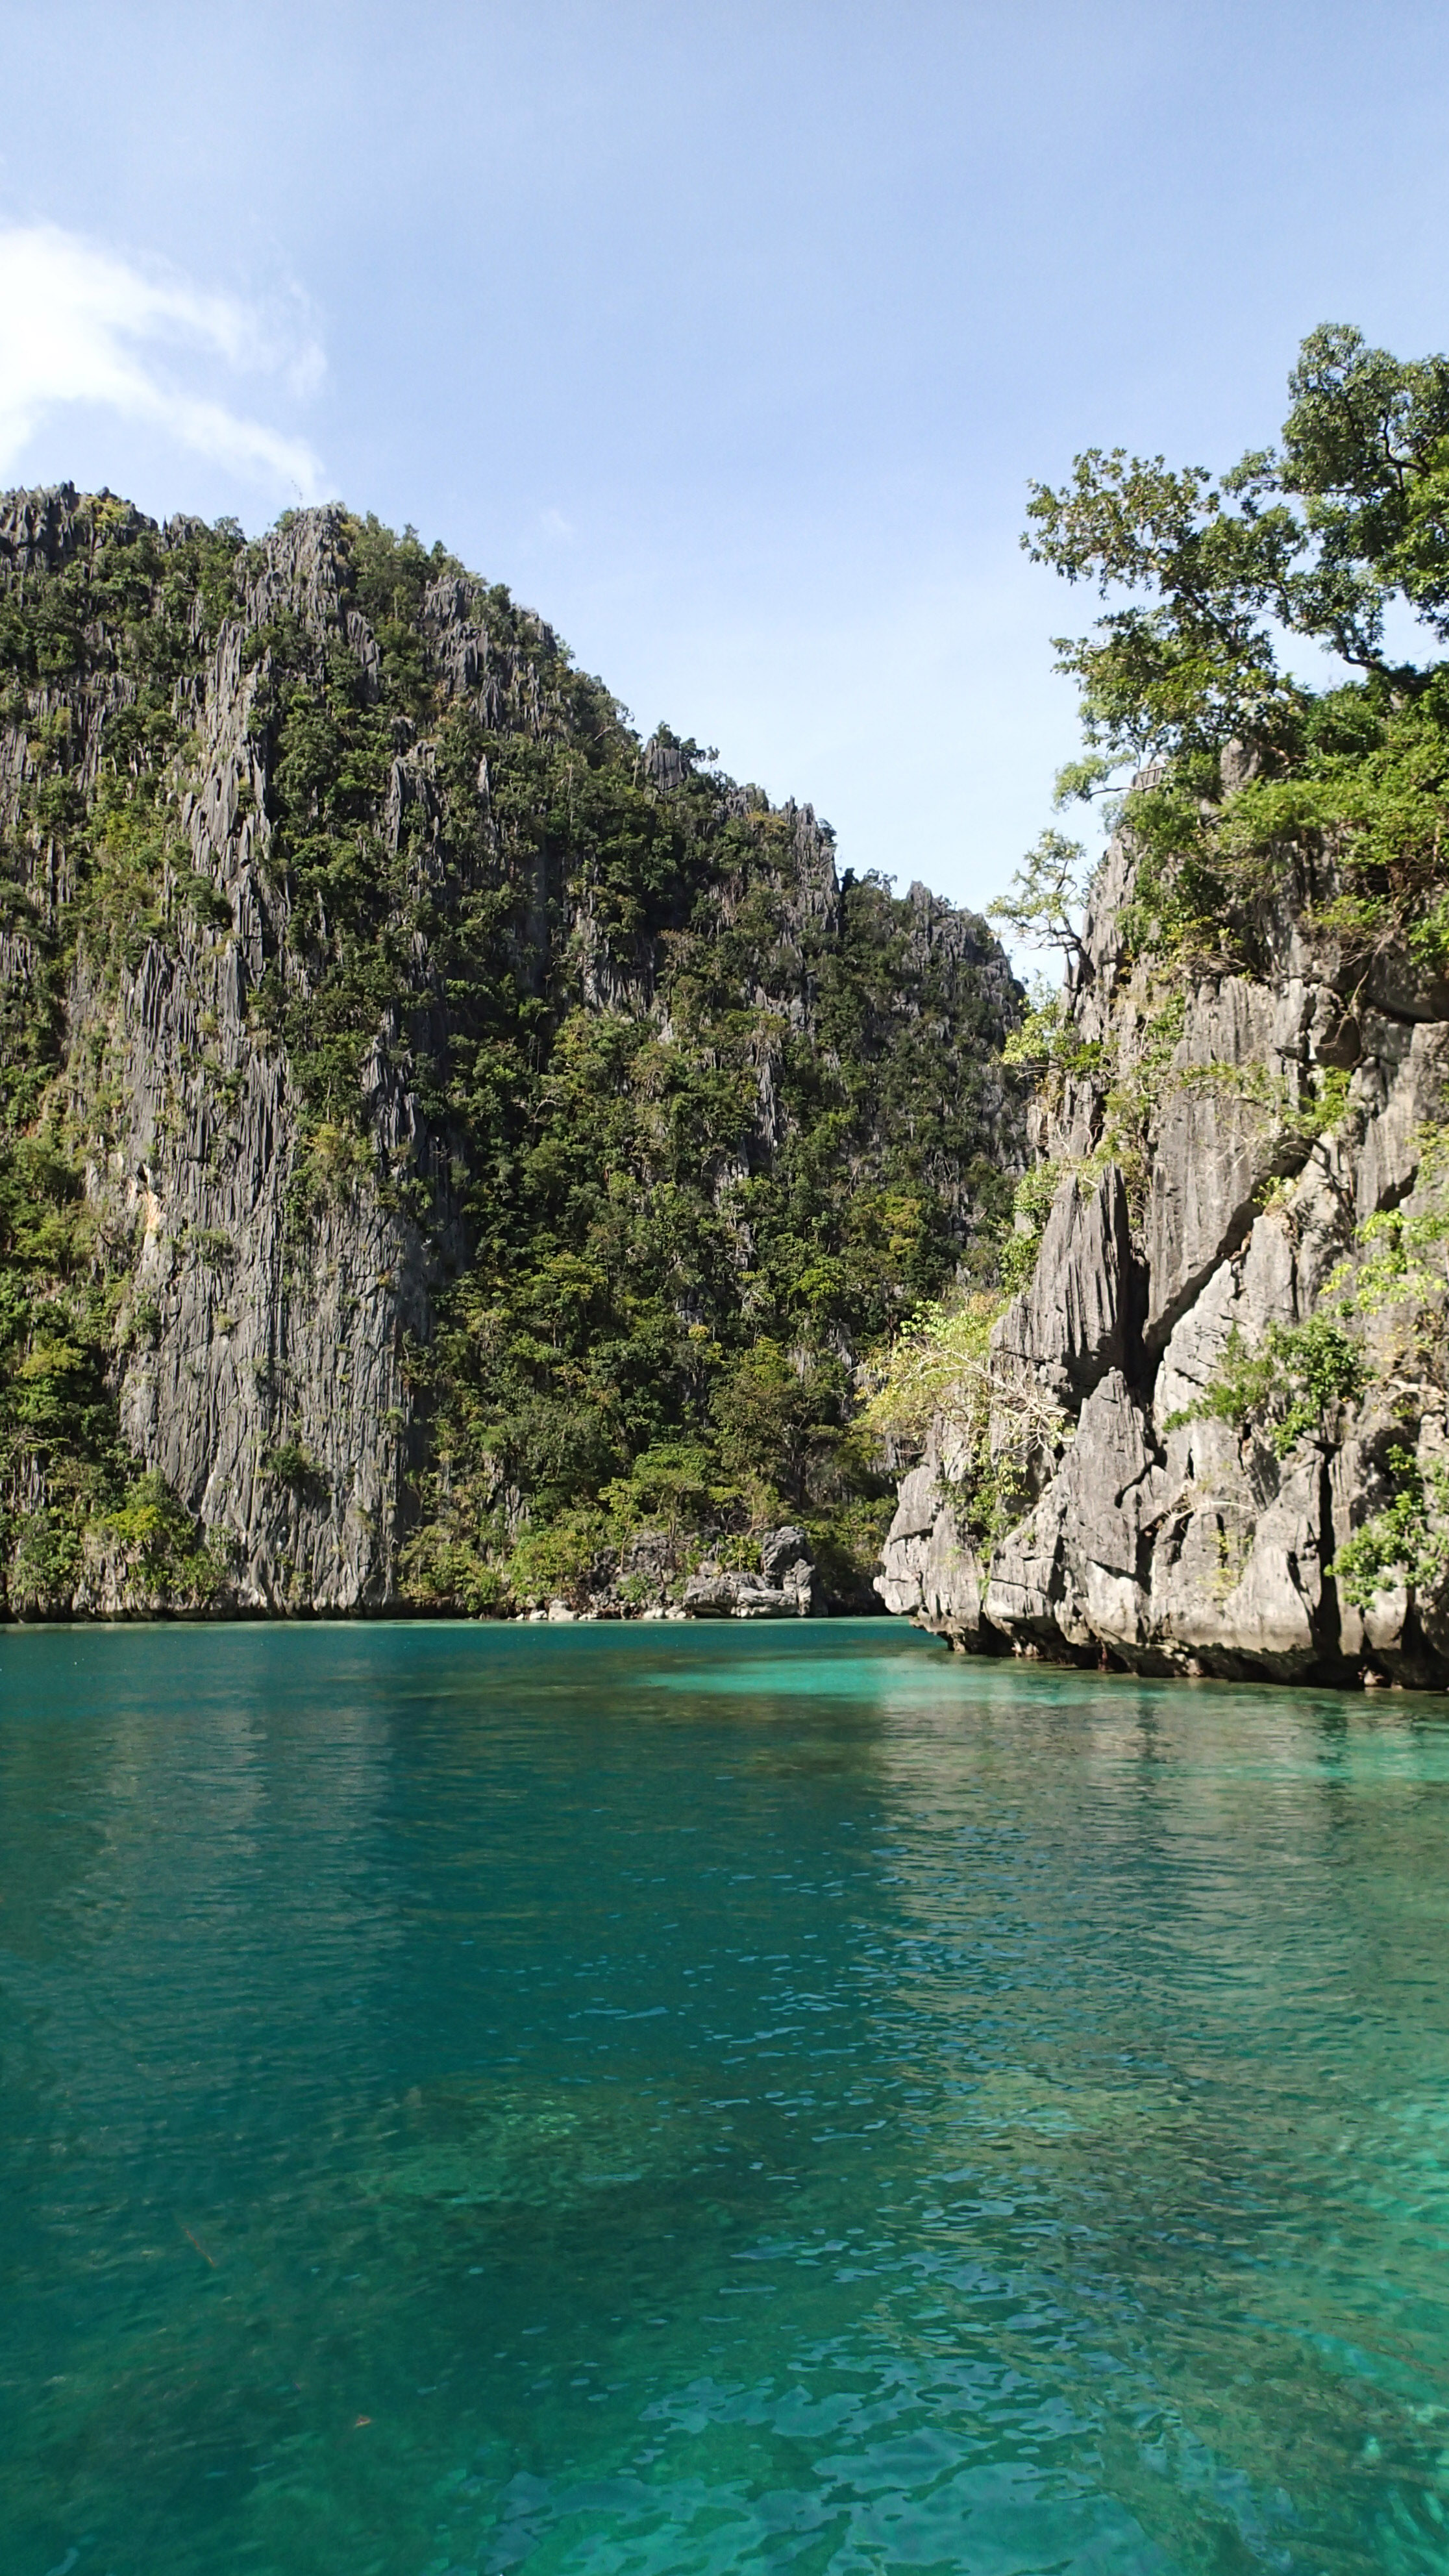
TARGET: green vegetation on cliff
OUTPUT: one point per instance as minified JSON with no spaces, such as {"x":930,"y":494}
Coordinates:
{"x":1274,"y":829}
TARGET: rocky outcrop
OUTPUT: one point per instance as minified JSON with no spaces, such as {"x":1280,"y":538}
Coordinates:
{"x":931,"y":1570}
{"x":1279,"y":1168}
{"x":270,"y":1301}
{"x":785,"y":1587}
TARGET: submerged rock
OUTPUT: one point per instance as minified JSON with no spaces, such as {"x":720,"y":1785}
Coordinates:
{"x":485,"y":2144}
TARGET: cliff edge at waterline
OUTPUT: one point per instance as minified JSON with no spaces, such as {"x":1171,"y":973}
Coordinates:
{"x":1227,"y":1363}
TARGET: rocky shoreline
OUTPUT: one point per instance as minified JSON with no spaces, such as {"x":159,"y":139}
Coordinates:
{"x":787,"y":1585}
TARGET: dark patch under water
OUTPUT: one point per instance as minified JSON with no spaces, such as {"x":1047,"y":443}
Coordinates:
{"x":642,"y":2100}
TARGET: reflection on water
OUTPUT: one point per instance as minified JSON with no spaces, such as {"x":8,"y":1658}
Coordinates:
{"x":610,"y":2101}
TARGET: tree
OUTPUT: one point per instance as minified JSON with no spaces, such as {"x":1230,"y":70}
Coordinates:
{"x":1048,"y":889}
{"x":1316,"y":537}
{"x":771,"y":1415}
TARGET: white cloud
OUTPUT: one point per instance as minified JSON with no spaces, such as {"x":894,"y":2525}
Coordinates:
{"x":80,"y":325}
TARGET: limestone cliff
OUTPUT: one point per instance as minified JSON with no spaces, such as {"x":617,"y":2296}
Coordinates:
{"x":410,"y":1087}
{"x":1223,"y":1386}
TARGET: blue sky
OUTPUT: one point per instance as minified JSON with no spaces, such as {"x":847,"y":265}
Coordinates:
{"x":727,"y":335}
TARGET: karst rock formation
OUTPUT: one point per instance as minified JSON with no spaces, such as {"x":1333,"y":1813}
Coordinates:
{"x":333,"y":915}
{"x":1279,"y":1160}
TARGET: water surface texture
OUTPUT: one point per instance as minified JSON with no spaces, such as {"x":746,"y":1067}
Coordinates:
{"x":638,"y":2100}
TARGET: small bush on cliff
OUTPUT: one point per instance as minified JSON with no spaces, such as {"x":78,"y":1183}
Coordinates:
{"x":170,"y":1563}
{"x":1407,"y":1542}
{"x":1286,"y":1386}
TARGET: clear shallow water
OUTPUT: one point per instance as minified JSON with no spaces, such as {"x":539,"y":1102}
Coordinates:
{"x":638,"y":2100}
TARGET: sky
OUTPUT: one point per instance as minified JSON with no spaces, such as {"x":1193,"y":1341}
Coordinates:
{"x":729,"y":334}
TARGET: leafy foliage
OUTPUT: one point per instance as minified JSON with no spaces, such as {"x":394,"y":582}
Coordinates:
{"x":1047,"y":891}
{"x":941,"y":1368}
{"x":1286,"y":1386}
{"x":1407,"y":1542}
{"x":1313,"y":541}
{"x":1318,"y":537}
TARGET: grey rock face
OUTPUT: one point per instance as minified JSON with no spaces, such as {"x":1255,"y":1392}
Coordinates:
{"x":1071,"y":1324}
{"x":1214,"y":1149}
{"x":249,"y":1356}
{"x":1160,"y":1535}
{"x":267,"y":1382}
{"x":1074,"y":1570}
{"x":931,"y":1569}
{"x":781,"y":1551}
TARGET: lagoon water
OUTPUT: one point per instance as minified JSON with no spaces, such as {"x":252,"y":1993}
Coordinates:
{"x":648,"y":2100}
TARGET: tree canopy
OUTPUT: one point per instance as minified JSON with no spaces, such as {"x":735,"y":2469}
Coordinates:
{"x":1186,"y":679}
{"x":1314,"y":538}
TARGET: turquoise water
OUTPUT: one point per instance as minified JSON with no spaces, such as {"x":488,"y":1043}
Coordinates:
{"x":637,"y":2100}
